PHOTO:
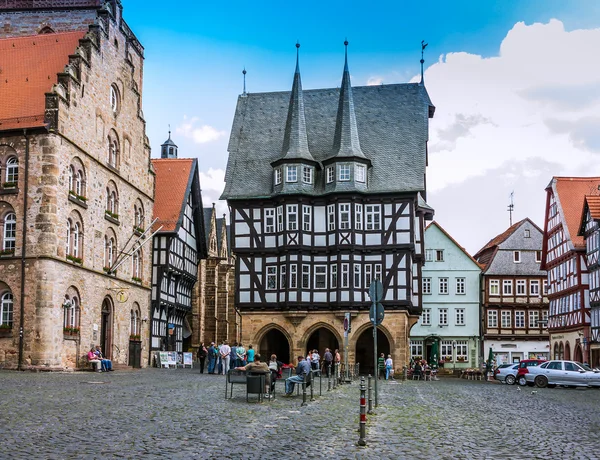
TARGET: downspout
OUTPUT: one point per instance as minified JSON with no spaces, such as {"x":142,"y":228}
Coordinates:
{"x":23,"y":252}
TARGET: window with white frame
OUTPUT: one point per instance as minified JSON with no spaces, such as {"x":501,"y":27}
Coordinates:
{"x":443,"y":286}
{"x":291,"y":173}
{"x":282,"y":277}
{"x":344,"y":173}
{"x":439,"y":255}
{"x":462,"y":350}
{"x":10,"y":232}
{"x":527,"y":233}
{"x":446,"y":349}
{"x":345,"y":275}
{"x":269,"y":220}
{"x":378,"y":272}
{"x":306,"y":218}
{"x":331,"y":217}
{"x":360,"y":173}
{"x":492,"y":318}
{"x":460,"y":286}
{"x":373,"y":217}
{"x":416,"y":349}
{"x":426,"y":285}
{"x":333,"y":276}
{"x":271,"y":277}
{"x":494,"y":287}
{"x":534,"y":319}
{"x":517,"y":257}
{"x":292,"y":217}
{"x":368,"y":275}
{"x":534,"y":287}
{"x":507,"y":287}
{"x":136,"y":265}
{"x":320,"y":276}
{"x":520,"y":319}
{"x":429,"y":255}
{"x":330,"y":174}
{"x":358,"y":217}
{"x":280,"y":218}
{"x":426,"y":317}
{"x":277,"y":176}
{"x":443,"y":316}
{"x":521,"y":287}
{"x":12,"y":170}
{"x":114,"y":98}
{"x":307,"y":174}
{"x":356,"y":276}
{"x":545,"y":287}
{"x":538,"y":256}
{"x":506,"y":319}
{"x":344,"y":216}
{"x":460,"y":316}
{"x":305,"y":276}
{"x":293,"y":276}
{"x":545,"y":316}
{"x":71,"y":312}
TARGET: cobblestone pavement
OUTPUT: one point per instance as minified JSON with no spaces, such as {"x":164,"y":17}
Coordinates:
{"x":180,"y":414}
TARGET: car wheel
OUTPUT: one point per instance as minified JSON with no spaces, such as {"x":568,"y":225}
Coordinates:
{"x":510,"y":379}
{"x":541,"y":381}
{"x":522,"y":381}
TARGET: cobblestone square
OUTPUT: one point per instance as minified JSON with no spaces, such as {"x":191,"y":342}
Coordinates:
{"x":182,"y":414}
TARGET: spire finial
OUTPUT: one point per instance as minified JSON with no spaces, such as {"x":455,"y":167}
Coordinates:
{"x":423,"y":46}
{"x":244,"y":73}
{"x":346,"y":55}
{"x":169,"y":130}
{"x":297,"y":56}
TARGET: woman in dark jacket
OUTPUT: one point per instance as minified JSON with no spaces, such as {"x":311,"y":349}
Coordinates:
{"x":202,"y":352}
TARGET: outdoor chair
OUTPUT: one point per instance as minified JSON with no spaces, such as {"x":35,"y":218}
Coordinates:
{"x":416,"y":375}
{"x":255,"y":384}
{"x":234,"y":377}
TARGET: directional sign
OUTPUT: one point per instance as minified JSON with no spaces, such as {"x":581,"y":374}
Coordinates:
{"x":347,"y":324}
{"x":376,"y":291}
{"x":376,"y":314}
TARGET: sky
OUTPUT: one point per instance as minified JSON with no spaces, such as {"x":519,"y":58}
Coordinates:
{"x":516,"y":85}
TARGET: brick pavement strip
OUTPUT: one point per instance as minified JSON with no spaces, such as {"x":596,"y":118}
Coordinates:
{"x":181,"y":414}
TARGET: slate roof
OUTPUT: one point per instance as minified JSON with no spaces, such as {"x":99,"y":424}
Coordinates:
{"x":570,"y":193}
{"x":392,"y":124}
{"x":29,"y":67}
{"x":441,"y":229}
{"x":174,"y":178}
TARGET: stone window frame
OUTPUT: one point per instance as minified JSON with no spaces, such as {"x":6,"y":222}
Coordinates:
{"x":6,"y":238}
{"x":137,"y":264}
{"x":112,"y":198}
{"x":114,"y":99}
{"x":110,"y":248}
{"x":75,"y":232}
{"x":77,"y":178}
{"x":114,"y":150}
{"x":135,"y":321}
{"x":72,"y":309}
{"x":139,"y":216}
{"x":6,"y":308}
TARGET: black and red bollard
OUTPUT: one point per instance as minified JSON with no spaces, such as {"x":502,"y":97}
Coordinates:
{"x":363,"y":414}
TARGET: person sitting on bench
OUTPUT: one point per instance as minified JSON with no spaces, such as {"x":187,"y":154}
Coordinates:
{"x":255,"y":366}
{"x":93,"y":359}
{"x":302,"y":369}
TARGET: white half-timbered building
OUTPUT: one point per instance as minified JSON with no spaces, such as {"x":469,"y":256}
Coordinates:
{"x":326,"y":190}
{"x":177,"y":247}
{"x":590,"y":230}
{"x":564,"y":258}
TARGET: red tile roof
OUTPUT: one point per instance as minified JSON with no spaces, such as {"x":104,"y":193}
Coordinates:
{"x":28,"y":68}
{"x":172,"y":178}
{"x":593,"y":203}
{"x":571,"y":193}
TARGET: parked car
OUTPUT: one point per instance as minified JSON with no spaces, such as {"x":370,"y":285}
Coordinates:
{"x":524,"y":367}
{"x":560,"y":372}
{"x":507,"y":373}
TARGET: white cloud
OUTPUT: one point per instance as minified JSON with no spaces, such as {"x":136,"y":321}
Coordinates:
{"x":200,"y":134}
{"x":212,"y":184}
{"x":374,"y":81}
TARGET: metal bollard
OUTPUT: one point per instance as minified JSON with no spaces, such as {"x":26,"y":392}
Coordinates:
{"x":321,"y":383}
{"x":370,"y":388}
{"x":312,"y":386}
{"x":363,"y":416}
{"x":329,"y":381}
{"x":304,"y":391}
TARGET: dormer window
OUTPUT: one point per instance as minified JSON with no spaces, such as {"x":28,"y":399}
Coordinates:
{"x":344,"y":175}
{"x":330,"y":174}
{"x":360,"y":173}
{"x":278,"y":176}
{"x":291,"y":174}
{"x":307,"y":174}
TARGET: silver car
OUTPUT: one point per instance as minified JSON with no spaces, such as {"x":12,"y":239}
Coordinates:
{"x":507,"y":373}
{"x":560,"y":372}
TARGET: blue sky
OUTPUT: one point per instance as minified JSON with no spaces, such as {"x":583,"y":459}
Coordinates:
{"x":195,"y":52}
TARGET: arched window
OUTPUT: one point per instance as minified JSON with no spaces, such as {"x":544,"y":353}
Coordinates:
{"x":71,"y":178}
{"x":115,"y":98}
{"x":135,"y":322}
{"x":112,"y":200}
{"x":12,"y":170}
{"x":137,"y":265}
{"x":6,"y":309}
{"x":68,"y":239}
{"x":10,"y":231}
{"x":71,"y":314}
{"x":46,"y":30}
{"x":113,"y":151}
{"x":79,"y":183}
{"x":76,"y":233}
{"x":109,"y":251}
{"x":138,"y":218}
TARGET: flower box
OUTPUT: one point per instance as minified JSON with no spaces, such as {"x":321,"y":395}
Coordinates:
{"x":135,"y":338}
{"x":71,"y":331}
{"x":135,"y":279}
{"x":447,"y":358}
{"x":461,"y":359}
{"x":6,"y":330}
{"x":139,"y":231}
{"x":75,"y":260}
{"x":7,"y":252}
{"x":9,"y":185}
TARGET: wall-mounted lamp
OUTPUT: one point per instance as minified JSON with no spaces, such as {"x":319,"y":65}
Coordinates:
{"x":144,"y":320}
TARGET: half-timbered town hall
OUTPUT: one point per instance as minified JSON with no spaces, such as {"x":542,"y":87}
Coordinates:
{"x":327,"y":192}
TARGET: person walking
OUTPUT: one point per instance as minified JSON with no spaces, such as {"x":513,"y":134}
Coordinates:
{"x":328,"y":358}
{"x":202,"y":352}
{"x":389,"y":365}
{"x":314,"y":360}
{"x":224,"y":351}
{"x":380,"y":366}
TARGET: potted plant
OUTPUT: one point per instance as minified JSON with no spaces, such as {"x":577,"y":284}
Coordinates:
{"x":76,"y":260}
{"x":67,"y":330}
{"x":7,"y":252}
{"x":5,"y":330}
{"x":135,"y":279}
{"x":9,"y":185}
{"x":461,"y":359}
{"x":135,"y":337}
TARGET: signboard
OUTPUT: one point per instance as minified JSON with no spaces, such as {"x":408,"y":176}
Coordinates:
{"x":172,"y":359}
{"x":163,"y":359}
{"x":347,"y":324}
{"x":376,"y":291}
{"x":376,"y":314}
{"x":187,"y":359}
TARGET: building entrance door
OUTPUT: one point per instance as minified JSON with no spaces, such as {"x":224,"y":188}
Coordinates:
{"x":106,"y":328}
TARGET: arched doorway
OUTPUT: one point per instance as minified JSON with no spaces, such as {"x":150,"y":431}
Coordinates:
{"x":364,"y":349}
{"x":106,"y":328}
{"x":567,"y":351}
{"x":275,"y":342}
{"x":556,"y":351}
{"x":561,"y":351}
{"x":320,"y":339}
{"x":578,"y":354}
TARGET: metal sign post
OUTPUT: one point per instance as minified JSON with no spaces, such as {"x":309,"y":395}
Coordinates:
{"x":376,"y":315}
{"x":346,"y":332}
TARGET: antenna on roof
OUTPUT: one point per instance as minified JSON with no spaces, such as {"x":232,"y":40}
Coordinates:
{"x":511,"y":206}
{"x":423,"y":46}
{"x":244,"y":73}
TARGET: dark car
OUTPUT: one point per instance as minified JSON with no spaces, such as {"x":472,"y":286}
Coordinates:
{"x":523,"y":365}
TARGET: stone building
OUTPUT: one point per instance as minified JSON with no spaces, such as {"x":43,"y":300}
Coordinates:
{"x":327,"y":192}
{"x":77,"y":184}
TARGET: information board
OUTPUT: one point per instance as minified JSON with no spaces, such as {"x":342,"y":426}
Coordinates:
{"x":163,"y":359}
{"x":187,"y":359}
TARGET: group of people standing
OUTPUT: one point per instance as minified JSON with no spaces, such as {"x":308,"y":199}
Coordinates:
{"x":223,"y":357}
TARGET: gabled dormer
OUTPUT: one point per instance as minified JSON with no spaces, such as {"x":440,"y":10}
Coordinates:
{"x":295,"y":170}
{"x":346,"y":169}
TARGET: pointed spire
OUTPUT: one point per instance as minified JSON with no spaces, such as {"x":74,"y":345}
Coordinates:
{"x":212,"y":235}
{"x":244,"y":73}
{"x":224,"y":250}
{"x":345,"y":141}
{"x":295,"y":139}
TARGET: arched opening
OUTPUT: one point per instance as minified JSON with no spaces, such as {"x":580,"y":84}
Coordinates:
{"x":556,"y":355}
{"x":275,"y":342}
{"x":364,"y":349}
{"x":320,"y":339}
{"x":578,"y":354}
{"x":567,"y":352}
{"x":106,"y":328}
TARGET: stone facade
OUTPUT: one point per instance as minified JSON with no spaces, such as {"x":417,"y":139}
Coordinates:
{"x":80,"y":124}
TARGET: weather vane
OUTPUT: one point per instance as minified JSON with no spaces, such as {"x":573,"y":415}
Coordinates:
{"x":511,"y":206}
{"x":423,"y":46}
